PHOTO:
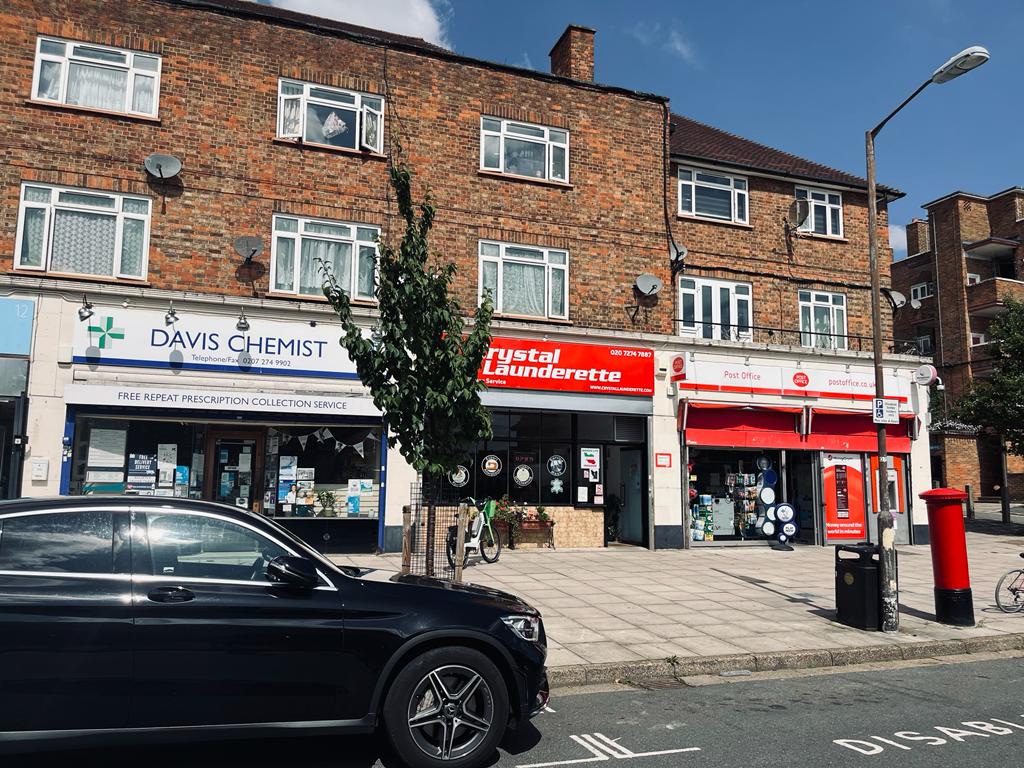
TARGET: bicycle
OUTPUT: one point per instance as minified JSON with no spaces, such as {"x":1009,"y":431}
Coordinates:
{"x":1010,"y":590}
{"x":480,"y":535}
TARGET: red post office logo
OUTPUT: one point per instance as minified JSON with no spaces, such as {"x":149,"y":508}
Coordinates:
{"x":801,"y":379}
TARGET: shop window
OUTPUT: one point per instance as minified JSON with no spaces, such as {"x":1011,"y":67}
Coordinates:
{"x":69,"y":542}
{"x":96,"y":77}
{"x":492,"y":470}
{"x":524,"y":474}
{"x":82,"y":232}
{"x":595,"y":426}
{"x":822,"y":320}
{"x":558,"y":426}
{"x":521,"y":149}
{"x":500,"y":424}
{"x":731,"y":493}
{"x":330,"y":117}
{"x":556,"y":475}
{"x":629,"y":429}
{"x":526,"y":425}
{"x":199,"y":547}
{"x":715,"y":309}
{"x":323,"y":471}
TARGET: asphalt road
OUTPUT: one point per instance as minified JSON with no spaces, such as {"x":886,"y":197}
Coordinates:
{"x":956,"y":714}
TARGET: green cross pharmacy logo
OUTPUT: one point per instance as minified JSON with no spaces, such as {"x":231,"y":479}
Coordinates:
{"x":107,"y":332}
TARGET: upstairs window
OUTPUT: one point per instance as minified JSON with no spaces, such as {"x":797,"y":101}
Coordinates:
{"x":82,"y":232}
{"x":330,"y":117}
{"x":977,"y":339}
{"x":923,"y":290}
{"x":524,"y":280}
{"x":826,"y":211}
{"x":715,"y":309}
{"x":712,"y":195}
{"x":521,"y":149}
{"x":924,"y":344}
{"x":96,"y":76}
{"x":822,"y":320}
{"x":973,"y":278}
{"x":301,"y":246}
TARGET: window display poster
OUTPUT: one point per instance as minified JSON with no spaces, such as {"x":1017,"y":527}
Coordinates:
{"x":287,"y":491}
{"x":107,"y":448}
{"x":227,"y":484}
{"x":843,"y":481}
{"x":244,"y":461}
{"x":198,"y":461}
{"x":590,"y":458}
{"x":288,"y":466}
{"x":141,"y":471}
{"x":366,"y":486}
{"x":166,"y":462}
{"x":582,"y":494}
{"x":305,"y":473}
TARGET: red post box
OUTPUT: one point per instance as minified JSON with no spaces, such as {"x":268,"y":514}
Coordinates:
{"x":953,"y":601}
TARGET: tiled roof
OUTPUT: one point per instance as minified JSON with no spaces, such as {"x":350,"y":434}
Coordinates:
{"x":693,"y":139}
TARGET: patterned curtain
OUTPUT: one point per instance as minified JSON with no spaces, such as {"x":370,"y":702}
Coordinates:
{"x":32,"y":237}
{"x":97,"y":87}
{"x":142,"y":99}
{"x":338,"y":256}
{"x":522,"y":289}
{"x":49,"y":80}
{"x":132,"y":237}
{"x":83,"y":243}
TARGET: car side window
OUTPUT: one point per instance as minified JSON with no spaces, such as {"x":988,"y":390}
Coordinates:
{"x":59,"y":542}
{"x":199,"y":547}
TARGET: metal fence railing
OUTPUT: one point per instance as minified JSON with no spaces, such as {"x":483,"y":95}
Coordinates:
{"x":426,"y":522}
{"x":763,"y":334}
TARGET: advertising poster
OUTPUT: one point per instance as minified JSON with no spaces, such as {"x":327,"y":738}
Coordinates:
{"x":352,"y":502}
{"x":166,"y":461}
{"x":141,"y":472}
{"x":106,"y":448}
{"x":845,"y":515}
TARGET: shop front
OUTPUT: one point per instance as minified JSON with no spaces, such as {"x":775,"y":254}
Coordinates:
{"x":774,"y":449}
{"x":266,"y":415}
{"x":570,"y":438}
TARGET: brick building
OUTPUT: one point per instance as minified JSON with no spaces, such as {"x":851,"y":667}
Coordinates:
{"x":168,"y":357}
{"x":963,"y":261}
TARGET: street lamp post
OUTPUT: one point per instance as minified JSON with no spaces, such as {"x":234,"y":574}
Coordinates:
{"x":963,"y":62}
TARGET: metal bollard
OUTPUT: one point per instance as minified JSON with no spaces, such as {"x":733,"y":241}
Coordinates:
{"x":406,"y":539}
{"x":460,"y":541}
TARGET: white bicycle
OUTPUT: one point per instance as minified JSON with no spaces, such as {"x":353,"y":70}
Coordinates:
{"x":480,"y":536}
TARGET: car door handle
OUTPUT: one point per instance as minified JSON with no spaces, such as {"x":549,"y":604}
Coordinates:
{"x":171,"y":595}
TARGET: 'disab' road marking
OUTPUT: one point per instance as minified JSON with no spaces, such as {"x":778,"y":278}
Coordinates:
{"x":602,"y":748}
{"x":985,"y":729}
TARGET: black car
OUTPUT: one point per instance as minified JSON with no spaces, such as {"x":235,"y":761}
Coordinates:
{"x":132,"y":618}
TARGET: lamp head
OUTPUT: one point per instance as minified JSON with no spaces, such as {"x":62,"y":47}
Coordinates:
{"x":963,"y":62}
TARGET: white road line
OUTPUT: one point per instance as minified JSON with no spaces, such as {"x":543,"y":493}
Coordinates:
{"x":600,"y":747}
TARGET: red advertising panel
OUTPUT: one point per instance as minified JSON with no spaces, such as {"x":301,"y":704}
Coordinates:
{"x":845,"y":517}
{"x":566,"y":367}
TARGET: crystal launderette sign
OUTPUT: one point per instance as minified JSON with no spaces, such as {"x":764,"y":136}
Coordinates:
{"x":568,"y":367}
{"x":142,"y":338}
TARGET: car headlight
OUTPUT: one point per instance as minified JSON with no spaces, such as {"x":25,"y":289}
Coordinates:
{"x":526,"y":627}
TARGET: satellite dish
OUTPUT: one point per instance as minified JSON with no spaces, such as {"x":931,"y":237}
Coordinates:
{"x":648,"y":285}
{"x":915,"y":303}
{"x":162,"y":166}
{"x":248,"y":246}
{"x":896,"y":298}
{"x":798,"y":212}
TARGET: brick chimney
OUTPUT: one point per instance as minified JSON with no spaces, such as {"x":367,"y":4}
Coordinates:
{"x":573,"y":54}
{"x":917,"y":237}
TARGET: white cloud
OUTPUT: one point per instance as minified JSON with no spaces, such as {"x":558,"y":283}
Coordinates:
{"x":681,"y":47}
{"x":417,"y":18}
{"x":653,"y":34}
{"x":898,"y":240}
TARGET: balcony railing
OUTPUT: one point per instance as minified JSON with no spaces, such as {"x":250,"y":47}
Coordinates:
{"x":988,"y":297}
{"x":768,"y":335}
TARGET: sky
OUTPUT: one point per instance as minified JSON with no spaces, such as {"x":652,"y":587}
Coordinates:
{"x":805,"y":76}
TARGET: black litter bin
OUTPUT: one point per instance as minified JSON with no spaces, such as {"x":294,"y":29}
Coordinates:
{"x":858,"y":591}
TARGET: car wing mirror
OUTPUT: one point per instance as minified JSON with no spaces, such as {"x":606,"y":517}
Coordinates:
{"x":294,"y":571}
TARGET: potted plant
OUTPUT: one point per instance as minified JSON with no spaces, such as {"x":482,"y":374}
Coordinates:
{"x":327,"y":500}
{"x":510,"y":516}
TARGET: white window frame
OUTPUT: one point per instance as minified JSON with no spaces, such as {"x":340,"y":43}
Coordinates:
{"x":737,"y":186}
{"x":354,"y":239}
{"x":973,"y":278}
{"x":829,"y":199}
{"x":54,"y":204}
{"x":549,"y":262}
{"x":501,"y":129}
{"x":367,"y":106}
{"x":838,"y":305}
{"x":977,"y":339}
{"x":707,"y":320}
{"x":924,"y":344}
{"x":70,"y":56}
{"x":922,"y":290}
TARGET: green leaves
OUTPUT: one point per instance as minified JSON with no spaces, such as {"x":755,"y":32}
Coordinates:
{"x":997,"y":403}
{"x":419,"y":364}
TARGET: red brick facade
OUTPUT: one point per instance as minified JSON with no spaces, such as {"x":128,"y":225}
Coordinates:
{"x":969,"y":248}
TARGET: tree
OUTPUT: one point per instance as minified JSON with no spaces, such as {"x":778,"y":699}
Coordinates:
{"x":418,"y":363}
{"x":997,"y":403}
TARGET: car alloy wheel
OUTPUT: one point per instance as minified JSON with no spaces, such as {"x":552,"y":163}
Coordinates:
{"x":450,"y":712}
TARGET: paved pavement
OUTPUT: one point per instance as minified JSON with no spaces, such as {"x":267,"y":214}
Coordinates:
{"x":625,"y":604}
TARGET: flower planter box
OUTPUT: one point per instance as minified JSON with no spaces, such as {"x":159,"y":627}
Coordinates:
{"x":544,"y":530}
